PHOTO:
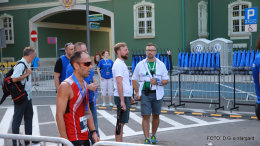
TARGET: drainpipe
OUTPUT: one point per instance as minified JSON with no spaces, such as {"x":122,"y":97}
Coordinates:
{"x":210,"y":20}
{"x":183,"y":26}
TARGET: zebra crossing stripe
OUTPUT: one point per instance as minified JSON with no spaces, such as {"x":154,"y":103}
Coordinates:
{"x":193,"y":119}
{"x":101,"y":134}
{"x":6,"y":122}
{"x":35,"y":126}
{"x":139,"y":119}
{"x":112,"y":120}
{"x":170,"y":121}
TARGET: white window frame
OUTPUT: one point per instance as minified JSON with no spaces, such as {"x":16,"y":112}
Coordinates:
{"x":136,"y":21}
{"x":4,"y":1}
{"x":2,"y":17}
{"x":241,"y":34}
{"x":203,"y":19}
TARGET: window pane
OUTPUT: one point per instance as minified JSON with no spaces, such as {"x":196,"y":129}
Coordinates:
{"x":243,"y":24}
{"x":200,"y":12}
{"x":235,"y":22}
{"x":149,"y":26}
{"x":236,"y":8}
{"x":244,"y":7}
{"x":10,"y":35}
{"x":235,"y":25}
{"x":148,"y":11}
{"x":141,"y":12}
{"x":6,"y":34}
{"x":235,"y":13}
{"x":141,"y":27}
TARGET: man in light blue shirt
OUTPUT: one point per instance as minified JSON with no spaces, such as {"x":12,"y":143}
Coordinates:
{"x":24,"y":109}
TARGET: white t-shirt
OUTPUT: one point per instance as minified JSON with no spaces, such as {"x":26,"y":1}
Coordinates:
{"x":120,"y":69}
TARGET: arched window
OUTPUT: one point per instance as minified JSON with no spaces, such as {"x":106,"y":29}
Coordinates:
{"x":144,"y":26}
{"x":236,"y":18}
{"x":6,"y":22}
{"x":203,"y":19}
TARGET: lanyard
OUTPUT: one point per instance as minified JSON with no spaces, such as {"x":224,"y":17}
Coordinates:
{"x":82,"y":95}
{"x":149,"y":65}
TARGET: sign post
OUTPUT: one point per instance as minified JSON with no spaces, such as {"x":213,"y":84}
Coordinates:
{"x":251,"y":22}
{"x":53,"y":40}
{"x":34,"y":37}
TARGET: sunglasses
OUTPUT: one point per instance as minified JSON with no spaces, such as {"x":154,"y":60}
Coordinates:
{"x":67,"y":44}
{"x":87,"y":64}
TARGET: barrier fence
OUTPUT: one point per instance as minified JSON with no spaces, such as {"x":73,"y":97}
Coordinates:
{"x":236,"y":89}
{"x":43,"y":139}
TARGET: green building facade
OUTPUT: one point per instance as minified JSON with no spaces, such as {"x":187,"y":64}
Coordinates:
{"x":170,"y":24}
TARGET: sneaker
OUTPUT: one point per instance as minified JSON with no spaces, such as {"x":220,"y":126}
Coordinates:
{"x":34,"y":143}
{"x":104,"y":104}
{"x":110,"y":103}
{"x":153,"y":139}
{"x":147,"y":141}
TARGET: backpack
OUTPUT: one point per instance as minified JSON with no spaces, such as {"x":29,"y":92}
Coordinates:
{"x":15,"y":89}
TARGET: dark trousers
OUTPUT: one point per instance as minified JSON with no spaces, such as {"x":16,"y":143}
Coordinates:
{"x":23,"y":110}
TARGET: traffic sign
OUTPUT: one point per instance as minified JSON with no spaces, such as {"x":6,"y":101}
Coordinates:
{"x":251,"y":16}
{"x":51,"y":40}
{"x":34,"y":36}
{"x":251,"y":28}
{"x":96,"y":17}
{"x":94,"y":25}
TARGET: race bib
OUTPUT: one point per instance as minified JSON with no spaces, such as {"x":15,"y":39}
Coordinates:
{"x":83,"y":124}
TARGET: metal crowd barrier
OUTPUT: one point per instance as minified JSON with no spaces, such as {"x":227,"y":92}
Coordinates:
{"x":109,"y":143}
{"x":43,"y":139}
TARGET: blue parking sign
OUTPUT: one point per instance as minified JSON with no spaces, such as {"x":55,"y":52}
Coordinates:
{"x":250,"y":16}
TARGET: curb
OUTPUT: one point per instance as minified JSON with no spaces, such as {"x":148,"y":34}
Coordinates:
{"x":248,"y":117}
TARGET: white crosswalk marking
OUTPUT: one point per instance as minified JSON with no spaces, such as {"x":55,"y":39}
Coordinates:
{"x":138,"y":119}
{"x":35,"y":128}
{"x":170,"y":121}
{"x":194,"y":119}
{"x":112,"y":120}
{"x":6,"y":122}
{"x":128,"y":128}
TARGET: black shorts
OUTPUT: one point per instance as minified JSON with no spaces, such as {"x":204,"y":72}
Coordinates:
{"x":81,"y":143}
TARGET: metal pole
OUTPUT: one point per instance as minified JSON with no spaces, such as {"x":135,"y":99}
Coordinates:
{"x":251,"y":40}
{"x":88,"y":33}
{"x":56,"y":48}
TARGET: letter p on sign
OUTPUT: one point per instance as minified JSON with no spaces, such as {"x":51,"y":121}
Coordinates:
{"x":250,"y":13}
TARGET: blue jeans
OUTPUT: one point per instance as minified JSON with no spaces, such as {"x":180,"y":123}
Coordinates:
{"x":94,"y":114}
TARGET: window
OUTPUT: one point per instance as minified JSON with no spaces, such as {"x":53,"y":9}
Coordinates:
{"x":7,"y":23}
{"x":202,"y":19}
{"x":144,"y":20}
{"x":236,"y":18}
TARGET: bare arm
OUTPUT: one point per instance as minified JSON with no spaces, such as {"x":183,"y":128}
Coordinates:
{"x":135,"y":86}
{"x":38,"y":65}
{"x":154,"y":82}
{"x":57,"y":80}
{"x":91,"y":126}
{"x":120,"y":90}
{"x":98,"y":71}
{"x":28,"y":72}
{"x":63,"y":95}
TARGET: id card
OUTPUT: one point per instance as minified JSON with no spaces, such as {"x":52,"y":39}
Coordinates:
{"x":83,"y":124}
{"x":159,"y":81}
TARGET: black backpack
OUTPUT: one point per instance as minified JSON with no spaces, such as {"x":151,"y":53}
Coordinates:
{"x":15,"y":89}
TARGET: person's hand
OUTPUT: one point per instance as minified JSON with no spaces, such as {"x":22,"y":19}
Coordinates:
{"x":92,"y":87}
{"x":95,"y":137}
{"x":123,"y":107}
{"x":153,"y":81}
{"x":137,"y":96}
{"x":38,"y":69}
{"x":132,"y":100}
{"x":28,"y":71}
{"x":101,"y":78}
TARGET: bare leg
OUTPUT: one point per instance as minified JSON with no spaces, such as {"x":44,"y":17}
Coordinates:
{"x":38,"y":81}
{"x":104,"y":98}
{"x":110,"y":98}
{"x":146,"y":125}
{"x":34,"y":81}
{"x":119,"y":138}
{"x":155,"y":123}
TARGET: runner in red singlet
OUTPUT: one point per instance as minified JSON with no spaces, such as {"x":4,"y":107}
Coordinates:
{"x":73,"y":115}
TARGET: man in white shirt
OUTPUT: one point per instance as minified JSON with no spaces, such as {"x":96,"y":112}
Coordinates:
{"x":123,"y":86}
{"x":152,"y":75}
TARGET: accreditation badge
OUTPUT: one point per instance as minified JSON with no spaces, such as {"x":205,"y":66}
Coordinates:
{"x":83,"y":124}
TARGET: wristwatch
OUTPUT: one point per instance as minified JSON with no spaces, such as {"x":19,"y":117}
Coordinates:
{"x":93,"y":131}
